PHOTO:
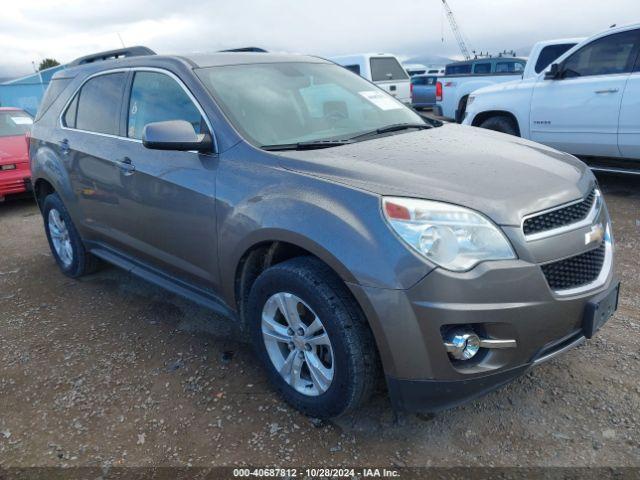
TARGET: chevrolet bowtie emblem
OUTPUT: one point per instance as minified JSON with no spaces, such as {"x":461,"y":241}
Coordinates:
{"x":595,"y":235}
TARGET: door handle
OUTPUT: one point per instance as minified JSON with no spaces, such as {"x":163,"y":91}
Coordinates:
{"x":126,"y":167}
{"x":608,"y":90}
{"x":64,"y":146}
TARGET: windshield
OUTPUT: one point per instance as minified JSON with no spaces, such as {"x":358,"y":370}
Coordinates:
{"x":14,"y":123}
{"x":288,"y":103}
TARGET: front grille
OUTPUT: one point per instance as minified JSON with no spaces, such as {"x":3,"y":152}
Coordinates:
{"x":575,"y":271}
{"x":560,"y":217}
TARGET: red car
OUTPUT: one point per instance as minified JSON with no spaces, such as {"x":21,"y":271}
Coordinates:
{"x":15,"y":175}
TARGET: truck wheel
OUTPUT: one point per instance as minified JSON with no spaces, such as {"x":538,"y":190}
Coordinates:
{"x":312,"y":338}
{"x":64,"y":240}
{"x":501,"y":123}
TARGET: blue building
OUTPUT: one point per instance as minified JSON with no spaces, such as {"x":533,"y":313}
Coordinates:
{"x":26,"y":92}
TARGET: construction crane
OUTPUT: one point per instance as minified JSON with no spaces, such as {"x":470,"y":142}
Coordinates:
{"x":456,"y":31}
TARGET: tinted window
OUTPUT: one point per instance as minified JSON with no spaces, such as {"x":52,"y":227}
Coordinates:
{"x":14,"y":123}
{"x":96,"y":107}
{"x":354,"y":68}
{"x":156,"y":97}
{"x":549,"y":53}
{"x":509,"y":67}
{"x":55,"y":88}
{"x":458,"y":69}
{"x":99,"y":104}
{"x":481,"y":68}
{"x":605,"y":56}
{"x":386,"y":68}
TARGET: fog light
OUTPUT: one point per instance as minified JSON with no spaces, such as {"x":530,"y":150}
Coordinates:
{"x":462,"y":345}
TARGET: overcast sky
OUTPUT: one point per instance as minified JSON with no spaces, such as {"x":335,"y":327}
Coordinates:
{"x":31,"y":30}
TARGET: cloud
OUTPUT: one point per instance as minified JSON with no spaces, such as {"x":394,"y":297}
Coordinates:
{"x":65,"y":29}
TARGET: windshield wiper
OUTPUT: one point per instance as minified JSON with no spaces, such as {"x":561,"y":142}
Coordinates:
{"x":396,"y":127}
{"x":310,"y":145}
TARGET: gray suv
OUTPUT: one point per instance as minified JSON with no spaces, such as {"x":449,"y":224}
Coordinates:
{"x":348,"y":237}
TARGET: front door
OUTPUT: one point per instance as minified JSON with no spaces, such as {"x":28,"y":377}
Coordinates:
{"x":578,"y":112}
{"x":629,"y":127}
{"x":170,"y":201}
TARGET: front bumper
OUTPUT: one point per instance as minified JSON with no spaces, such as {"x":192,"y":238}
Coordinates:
{"x":500,"y":300}
{"x":15,"y":181}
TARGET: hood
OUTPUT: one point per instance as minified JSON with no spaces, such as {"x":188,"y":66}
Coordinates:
{"x":13,"y":149}
{"x":502,"y":176}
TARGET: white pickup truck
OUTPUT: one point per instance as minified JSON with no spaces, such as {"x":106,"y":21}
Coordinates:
{"x":463,"y":78}
{"x":585,"y":103}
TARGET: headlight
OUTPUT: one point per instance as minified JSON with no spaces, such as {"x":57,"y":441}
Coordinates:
{"x":453,"y":237}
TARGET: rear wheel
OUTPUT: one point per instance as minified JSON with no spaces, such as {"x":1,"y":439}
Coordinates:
{"x":311,"y":336}
{"x":501,"y":123}
{"x":64,"y":240}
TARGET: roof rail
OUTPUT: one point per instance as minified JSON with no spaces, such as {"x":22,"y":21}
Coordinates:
{"x":246,"y":49}
{"x":137,"y":51}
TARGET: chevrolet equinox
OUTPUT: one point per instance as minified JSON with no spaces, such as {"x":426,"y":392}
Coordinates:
{"x":349,"y":236}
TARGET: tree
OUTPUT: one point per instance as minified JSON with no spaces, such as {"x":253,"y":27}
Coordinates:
{"x":48,"y":63}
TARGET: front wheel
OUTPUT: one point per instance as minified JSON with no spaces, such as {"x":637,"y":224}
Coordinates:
{"x":501,"y":123}
{"x":311,"y":336}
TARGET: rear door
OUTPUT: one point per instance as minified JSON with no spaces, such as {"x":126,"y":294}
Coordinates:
{"x":170,"y":195}
{"x":89,"y":149}
{"x":388,"y":74}
{"x":629,"y":127}
{"x":579,"y":112}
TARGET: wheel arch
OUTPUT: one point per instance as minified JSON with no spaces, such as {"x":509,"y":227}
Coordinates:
{"x":482,"y":116}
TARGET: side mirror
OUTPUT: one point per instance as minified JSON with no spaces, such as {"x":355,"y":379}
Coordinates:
{"x":175,"y":135}
{"x":553,"y":72}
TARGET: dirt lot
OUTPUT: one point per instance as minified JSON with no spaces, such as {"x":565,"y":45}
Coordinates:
{"x":110,"y":370}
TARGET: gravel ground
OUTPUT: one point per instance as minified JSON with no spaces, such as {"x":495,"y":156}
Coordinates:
{"x":110,"y":370}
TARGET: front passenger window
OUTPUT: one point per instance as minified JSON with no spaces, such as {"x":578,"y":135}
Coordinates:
{"x":156,"y":97}
{"x":605,"y":56}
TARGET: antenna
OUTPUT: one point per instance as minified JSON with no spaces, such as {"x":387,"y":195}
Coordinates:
{"x":123,"y":46}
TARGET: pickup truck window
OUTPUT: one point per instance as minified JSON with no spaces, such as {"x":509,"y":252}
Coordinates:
{"x":482,"y":68}
{"x":387,"y":68}
{"x":549,"y":53}
{"x":605,"y":56}
{"x":509,"y":67}
{"x":458,"y":69}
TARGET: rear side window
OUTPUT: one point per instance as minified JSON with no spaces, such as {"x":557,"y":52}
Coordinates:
{"x":509,"y":67}
{"x":354,"y":68}
{"x":387,"y":68}
{"x":482,"y":68}
{"x":156,"y":97}
{"x":605,"y":56}
{"x":549,"y":53}
{"x":458,"y":69}
{"x":55,"y":88}
{"x":96,"y":107}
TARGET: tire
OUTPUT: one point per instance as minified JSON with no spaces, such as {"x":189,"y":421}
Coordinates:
{"x":352,"y":351}
{"x":501,"y":123}
{"x":462,"y":108}
{"x":64,"y":241}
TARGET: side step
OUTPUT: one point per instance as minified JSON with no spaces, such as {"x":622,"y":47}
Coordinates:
{"x":613,"y":165}
{"x":190,"y":292}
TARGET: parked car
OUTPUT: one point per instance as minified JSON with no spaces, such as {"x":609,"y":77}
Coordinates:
{"x":383,"y":69}
{"x":423,"y":91}
{"x":414,"y":69}
{"x":585,"y":103}
{"x":15,"y":176}
{"x":462,"y":78}
{"x":343,"y":231}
